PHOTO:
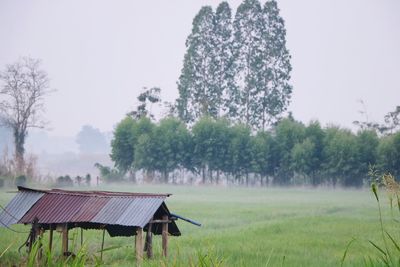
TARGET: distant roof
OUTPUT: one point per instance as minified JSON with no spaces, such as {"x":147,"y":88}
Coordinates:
{"x":118,"y":212}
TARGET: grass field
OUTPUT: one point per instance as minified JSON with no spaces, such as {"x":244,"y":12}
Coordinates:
{"x":246,"y":227}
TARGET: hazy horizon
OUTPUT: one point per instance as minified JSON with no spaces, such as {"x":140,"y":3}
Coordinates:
{"x":99,"y":55}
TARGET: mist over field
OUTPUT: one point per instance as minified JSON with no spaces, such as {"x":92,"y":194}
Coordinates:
{"x":275,"y":124}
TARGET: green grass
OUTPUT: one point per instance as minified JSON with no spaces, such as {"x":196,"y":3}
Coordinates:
{"x":246,"y":227}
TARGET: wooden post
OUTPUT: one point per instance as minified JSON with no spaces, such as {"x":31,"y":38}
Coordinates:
{"x":102,"y":245}
{"x":149,"y":241}
{"x":165,"y":236}
{"x":40,"y":250}
{"x":139,"y":245}
{"x":51,"y":238}
{"x":64,"y":239}
{"x":81,"y":237}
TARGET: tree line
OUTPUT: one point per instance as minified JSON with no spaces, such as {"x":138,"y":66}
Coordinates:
{"x":216,"y":151}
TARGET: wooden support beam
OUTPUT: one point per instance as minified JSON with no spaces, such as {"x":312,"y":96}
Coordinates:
{"x":139,"y":245}
{"x":165,"y":236}
{"x":149,"y":241}
{"x":102,"y":245}
{"x":51,"y":238}
{"x":64,"y":239}
{"x":40,"y":240}
{"x":81,"y":237}
{"x":160,"y":221}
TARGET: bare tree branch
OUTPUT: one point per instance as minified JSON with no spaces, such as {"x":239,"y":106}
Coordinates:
{"x":22,"y":92}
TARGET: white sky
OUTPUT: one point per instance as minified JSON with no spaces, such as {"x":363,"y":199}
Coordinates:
{"x":99,"y":54}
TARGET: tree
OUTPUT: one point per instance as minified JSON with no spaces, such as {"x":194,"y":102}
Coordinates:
{"x":163,"y":150}
{"x":272,"y":67}
{"x":223,"y":59}
{"x":264,"y":155}
{"x":367,"y":148}
{"x":288,"y":133}
{"x":389,"y":154}
{"x":211,"y":145}
{"x":148,"y":96}
{"x":91,"y":140}
{"x":307,"y":156}
{"x":198,"y":94}
{"x":341,"y":157}
{"x":247,"y":42}
{"x":24,"y":87}
{"x":125,"y":142}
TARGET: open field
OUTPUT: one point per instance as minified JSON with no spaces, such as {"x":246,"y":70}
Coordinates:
{"x":246,"y":227}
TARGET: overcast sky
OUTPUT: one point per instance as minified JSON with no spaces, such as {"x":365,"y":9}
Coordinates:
{"x":99,"y":54}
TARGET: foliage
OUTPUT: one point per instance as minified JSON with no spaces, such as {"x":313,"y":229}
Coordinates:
{"x":236,"y":68}
{"x":197,"y":85}
{"x":289,"y":153}
{"x":388,"y":254}
{"x":108,"y":174}
{"x":389,"y":154}
{"x":64,"y":181}
{"x":148,"y":96}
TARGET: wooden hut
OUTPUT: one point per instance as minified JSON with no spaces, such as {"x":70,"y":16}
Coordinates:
{"x":118,"y":213}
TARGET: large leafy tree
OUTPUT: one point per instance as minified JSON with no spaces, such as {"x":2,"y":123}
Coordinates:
{"x":247,"y":41}
{"x":240,"y":152}
{"x":198,"y":93}
{"x":262,"y":63}
{"x":272,"y":68}
{"x":288,"y":133}
{"x":163,"y":150}
{"x":125,"y":143}
{"x":307,"y":156}
{"x":223,"y":60}
{"x":341,"y":157}
{"x":264,"y":155}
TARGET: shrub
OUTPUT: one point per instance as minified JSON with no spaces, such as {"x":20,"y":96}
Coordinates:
{"x":64,"y":181}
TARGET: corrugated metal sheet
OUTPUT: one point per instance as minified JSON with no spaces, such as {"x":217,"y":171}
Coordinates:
{"x":55,"y":208}
{"x":18,"y":206}
{"x":90,"y":209}
{"x":129,"y":211}
{"x":60,"y":207}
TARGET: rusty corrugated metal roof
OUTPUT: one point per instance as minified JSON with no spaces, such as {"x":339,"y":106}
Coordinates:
{"x":55,"y":208}
{"x":119,"y":211}
{"x":126,"y":209}
{"x":129,"y":211}
{"x":18,"y":206}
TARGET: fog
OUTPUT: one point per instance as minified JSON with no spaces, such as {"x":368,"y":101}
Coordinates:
{"x":99,"y":54}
